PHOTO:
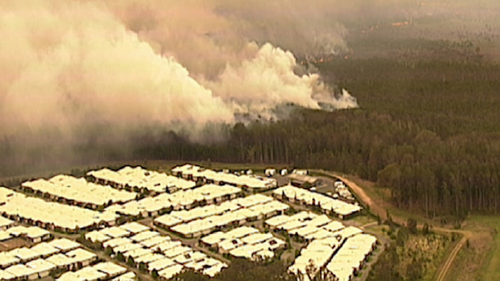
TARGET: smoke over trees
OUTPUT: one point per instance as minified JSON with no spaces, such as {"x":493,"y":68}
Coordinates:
{"x":73,"y":69}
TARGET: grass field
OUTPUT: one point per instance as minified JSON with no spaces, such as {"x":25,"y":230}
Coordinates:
{"x":490,"y":269}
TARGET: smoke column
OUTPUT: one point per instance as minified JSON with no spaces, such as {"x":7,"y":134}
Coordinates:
{"x":69,"y":68}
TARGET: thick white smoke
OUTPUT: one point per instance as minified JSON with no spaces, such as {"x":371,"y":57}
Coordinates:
{"x":67,"y":64}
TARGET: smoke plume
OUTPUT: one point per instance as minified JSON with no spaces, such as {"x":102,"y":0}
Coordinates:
{"x":74,"y":71}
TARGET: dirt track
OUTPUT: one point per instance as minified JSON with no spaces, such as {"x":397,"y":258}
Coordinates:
{"x":377,"y":208}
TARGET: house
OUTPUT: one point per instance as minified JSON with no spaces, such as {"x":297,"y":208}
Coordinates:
{"x":5,"y":223}
{"x":82,"y":257}
{"x":45,"y":249}
{"x":227,"y":245}
{"x":134,"y":227}
{"x":64,"y":245}
{"x":61,"y":261}
{"x":145,"y":235}
{"x":160,"y":264}
{"x":151,"y":242}
{"x":110,"y":269}
{"x":4,"y":275}
{"x":176,"y":251}
{"x":97,"y":237}
{"x":25,"y":254}
{"x":41,"y":267}
{"x":21,"y":271}
{"x":89,"y":274}
{"x":169,"y":272}
{"x":148,"y":258}
{"x":129,"y":276}
{"x":7,"y":259}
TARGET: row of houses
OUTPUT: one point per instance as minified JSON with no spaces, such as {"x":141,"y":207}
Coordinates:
{"x":38,"y":261}
{"x":77,"y":191}
{"x":161,"y":253}
{"x":307,"y":226}
{"x":341,"y":259}
{"x":244,"y":242}
{"x":199,"y":174}
{"x":32,"y":233}
{"x":182,"y":200}
{"x":50,"y":215}
{"x":204,"y":220}
{"x":313,"y":257}
{"x":326,"y":203}
{"x":352,"y":256}
{"x":99,"y":271}
{"x":138,"y":178}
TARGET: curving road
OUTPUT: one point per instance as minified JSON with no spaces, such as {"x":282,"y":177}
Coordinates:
{"x":379,"y":210}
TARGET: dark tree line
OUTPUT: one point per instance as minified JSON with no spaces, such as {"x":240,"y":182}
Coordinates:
{"x":427,"y":129}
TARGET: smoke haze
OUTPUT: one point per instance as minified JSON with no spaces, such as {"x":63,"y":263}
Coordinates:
{"x":68,"y":65}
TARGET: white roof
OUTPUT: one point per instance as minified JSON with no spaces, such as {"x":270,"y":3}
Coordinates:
{"x":24,"y":254}
{"x":97,"y":236}
{"x":30,"y":231}
{"x":305,"y":231}
{"x":142,"y":178}
{"x":148,"y":243}
{"x":81,"y":255}
{"x":40,"y":265}
{"x":145,"y":235}
{"x":215,"y":269}
{"x":310,"y":198}
{"x":171,"y":271}
{"x":230,"y":244}
{"x":173,"y":252}
{"x":64,"y":244}
{"x":70,"y":276}
{"x":20,"y":270}
{"x":149,"y":258}
{"x":161,"y":264}
{"x":257,"y":238}
{"x":115,"y":232}
{"x":320,"y":234}
{"x":348,"y":231}
{"x":247,"y":251}
{"x":5,"y":222}
{"x":137,"y":252}
{"x":190,"y":256}
{"x":168,"y":220}
{"x":241,"y":231}
{"x":90,"y":274}
{"x":80,"y":190}
{"x":129,"y":276}
{"x":165,"y":246}
{"x":60,"y":215}
{"x":45,"y":249}
{"x":116,"y":242}
{"x":214,"y":238}
{"x":334,"y":226}
{"x":4,"y":275}
{"x":110,"y":268}
{"x":60,"y":260}
{"x":134,"y":227}
{"x":126,"y":247}
{"x":8,"y":258}
{"x":5,"y":236}
{"x":278,"y":220}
